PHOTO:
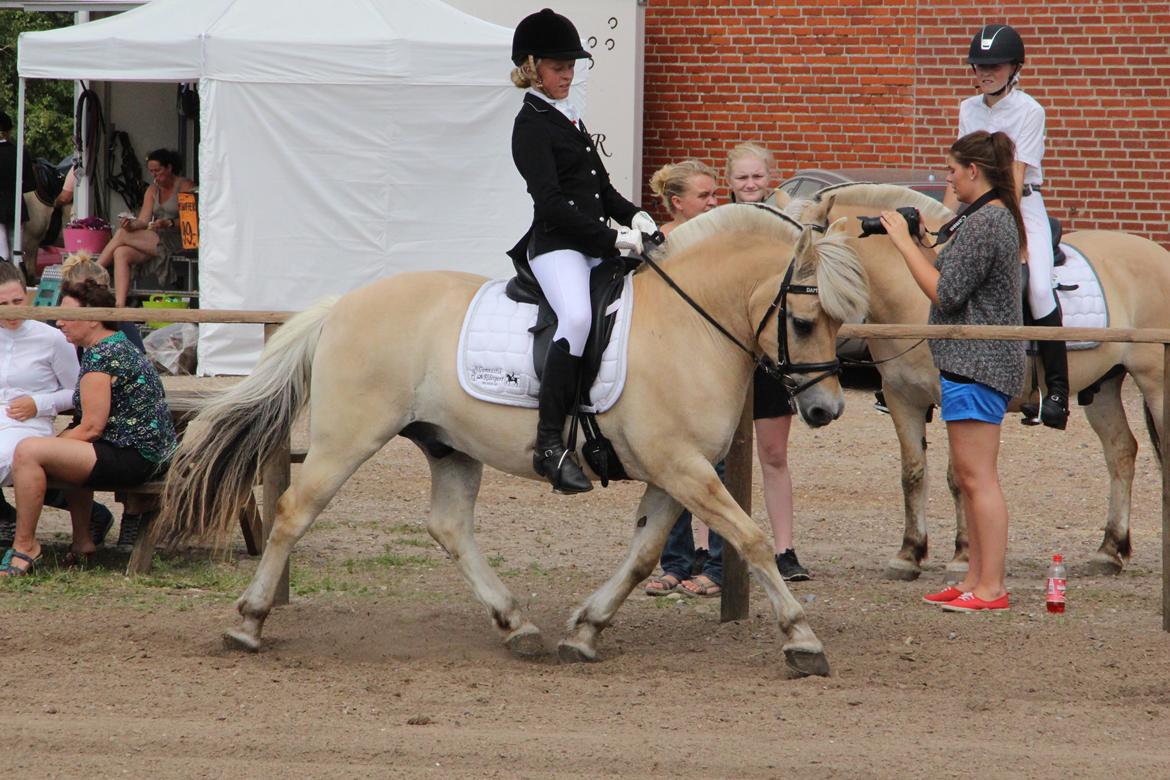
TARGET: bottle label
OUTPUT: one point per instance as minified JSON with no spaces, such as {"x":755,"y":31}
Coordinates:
{"x":1054,"y":592}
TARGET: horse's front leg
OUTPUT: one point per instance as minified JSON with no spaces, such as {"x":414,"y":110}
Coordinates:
{"x":698,"y":486}
{"x":455,"y":481}
{"x":657,"y":513}
{"x":910,"y":425}
{"x":1106,"y":415}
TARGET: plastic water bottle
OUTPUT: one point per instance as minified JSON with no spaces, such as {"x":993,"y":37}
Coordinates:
{"x":1056,"y":584}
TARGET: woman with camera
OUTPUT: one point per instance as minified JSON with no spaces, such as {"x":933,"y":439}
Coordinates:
{"x":996,"y":56}
{"x":975,"y":280}
{"x":572,"y":202}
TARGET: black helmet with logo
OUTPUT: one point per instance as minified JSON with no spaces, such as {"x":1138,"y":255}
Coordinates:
{"x":547,"y":34}
{"x":996,"y":44}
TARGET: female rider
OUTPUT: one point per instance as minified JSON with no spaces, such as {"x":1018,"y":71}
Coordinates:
{"x":995,"y":57}
{"x":572,"y":200}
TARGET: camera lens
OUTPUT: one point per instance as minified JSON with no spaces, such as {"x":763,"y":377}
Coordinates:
{"x":871,"y":226}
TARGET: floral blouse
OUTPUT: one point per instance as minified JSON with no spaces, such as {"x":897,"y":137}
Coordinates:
{"x":139,"y":416}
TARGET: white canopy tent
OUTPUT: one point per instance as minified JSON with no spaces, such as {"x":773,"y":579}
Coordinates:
{"x":342,"y":141}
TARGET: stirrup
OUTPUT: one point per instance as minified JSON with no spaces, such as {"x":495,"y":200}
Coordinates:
{"x":566,"y":477}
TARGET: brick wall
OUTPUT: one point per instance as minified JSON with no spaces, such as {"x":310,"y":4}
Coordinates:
{"x":877,"y":83}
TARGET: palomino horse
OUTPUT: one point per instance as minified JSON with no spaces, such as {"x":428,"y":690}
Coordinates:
{"x":380,"y":362}
{"x":1135,"y":277}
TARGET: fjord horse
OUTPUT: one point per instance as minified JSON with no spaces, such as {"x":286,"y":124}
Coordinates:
{"x":1135,"y":276}
{"x":685,"y":388}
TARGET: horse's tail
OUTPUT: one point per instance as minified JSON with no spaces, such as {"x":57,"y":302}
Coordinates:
{"x":1152,"y":429}
{"x":214,"y":469}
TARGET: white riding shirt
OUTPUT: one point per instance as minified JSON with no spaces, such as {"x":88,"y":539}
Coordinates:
{"x":1019,"y":116}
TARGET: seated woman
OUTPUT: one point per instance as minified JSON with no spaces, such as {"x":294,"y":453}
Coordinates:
{"x":155,"y":232}
{"x":124,"y":436}
{"x":80,"y":266}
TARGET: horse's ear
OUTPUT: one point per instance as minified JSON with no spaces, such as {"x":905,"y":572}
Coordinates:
{"x":821,"y":210}
{"x":840,"y":226}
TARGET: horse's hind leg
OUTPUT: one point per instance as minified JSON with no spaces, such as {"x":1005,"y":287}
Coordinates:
{"x":330,"y":461}
{"x":455,"y":481}
{"x":657,"y":513}
{"x":1106,"y":415}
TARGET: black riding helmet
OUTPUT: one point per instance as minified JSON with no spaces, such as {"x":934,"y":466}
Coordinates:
{"x":547,"y":34}
{"x":996,"y":44}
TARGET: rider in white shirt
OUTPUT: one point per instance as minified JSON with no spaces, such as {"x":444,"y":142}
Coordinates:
{"x":995,"y":56}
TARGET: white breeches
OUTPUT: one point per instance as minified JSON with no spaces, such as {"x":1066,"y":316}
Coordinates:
{"x":5,"y":243}
{"x":12,"y":433}
{"x":564,"y":279}
{"x":1041,"y":296}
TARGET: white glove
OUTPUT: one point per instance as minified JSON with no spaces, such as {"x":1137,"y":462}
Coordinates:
{"x":643,"y":223}
{"x":629,"y":241}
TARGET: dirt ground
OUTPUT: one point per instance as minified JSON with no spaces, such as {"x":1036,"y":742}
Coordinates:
{"x":384,"y":666}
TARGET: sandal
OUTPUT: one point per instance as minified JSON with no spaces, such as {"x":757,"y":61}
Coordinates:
{"x":667,"y":584}
{"x":8,"y":570}
{"x":705,"y":587}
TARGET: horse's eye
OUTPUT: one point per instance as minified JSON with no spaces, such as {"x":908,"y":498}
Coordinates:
{"x":802,"y":327}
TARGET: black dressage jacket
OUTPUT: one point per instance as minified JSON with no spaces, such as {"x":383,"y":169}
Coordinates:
{"x":570,"y":189}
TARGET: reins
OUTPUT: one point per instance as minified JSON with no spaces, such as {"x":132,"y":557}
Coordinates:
{"x":783,"y":370}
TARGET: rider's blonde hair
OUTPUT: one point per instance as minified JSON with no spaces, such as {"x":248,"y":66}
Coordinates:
{"x":750,"y":149}
{"x":525,"y":75}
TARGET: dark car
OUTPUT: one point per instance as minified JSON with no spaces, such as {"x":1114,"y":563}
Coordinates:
{"x":804,"y":184}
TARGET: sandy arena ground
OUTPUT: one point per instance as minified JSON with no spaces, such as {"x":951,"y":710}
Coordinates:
{"x":384,"y":666}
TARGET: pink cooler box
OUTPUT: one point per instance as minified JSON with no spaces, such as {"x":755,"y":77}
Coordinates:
{"x":82,"y":240}
{"x":47,"y":256}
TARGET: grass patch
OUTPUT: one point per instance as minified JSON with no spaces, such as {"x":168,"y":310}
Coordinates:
{"x":427,"y":543}
{"x":407,"y":528}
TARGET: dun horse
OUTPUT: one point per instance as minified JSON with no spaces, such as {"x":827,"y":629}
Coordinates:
{"x":380,"y":362}
{"x":1135,"y":277}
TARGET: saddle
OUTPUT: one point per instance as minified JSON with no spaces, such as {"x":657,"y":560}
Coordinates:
{"x":605,"y":286}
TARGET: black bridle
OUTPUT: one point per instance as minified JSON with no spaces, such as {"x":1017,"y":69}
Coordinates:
{"x":785,"y":369}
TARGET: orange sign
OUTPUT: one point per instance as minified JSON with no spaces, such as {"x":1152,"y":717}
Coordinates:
{"x":189,"y":220}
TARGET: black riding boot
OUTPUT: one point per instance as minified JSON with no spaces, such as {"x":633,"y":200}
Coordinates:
{"x":1054,"y":357}
{"x":558,"y":392}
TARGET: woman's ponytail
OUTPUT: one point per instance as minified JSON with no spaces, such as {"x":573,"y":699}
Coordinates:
{"x":994,"y":154}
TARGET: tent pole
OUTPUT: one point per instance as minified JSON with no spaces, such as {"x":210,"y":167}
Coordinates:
{"x":82,"y":206}
{"x":17,"y":228}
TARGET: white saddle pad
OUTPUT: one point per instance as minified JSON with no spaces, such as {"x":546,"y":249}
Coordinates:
{"x":1085,"y":306}
{"x":494,"y":359}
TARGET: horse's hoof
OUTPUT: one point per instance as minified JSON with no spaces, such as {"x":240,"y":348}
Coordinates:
{"x":802,"y":663}
{"x":526,"y":642}
{"x":901,"y":570}
{"x":235,"y":639}
{"x":1103,"y":565}
{"x":575,"y":654}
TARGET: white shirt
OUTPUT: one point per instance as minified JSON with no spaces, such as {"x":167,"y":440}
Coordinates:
{"x":564,"y":106}
{"x":37,"y":361}
{"x":1017,"y":114}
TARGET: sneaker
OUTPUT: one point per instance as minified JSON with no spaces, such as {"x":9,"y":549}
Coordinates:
{"x":790,"y":568}
{"x":700,"y":560}
{"x":101,"y":519}
{"x":128,"y":531}
{"x":948,"y":593}
{"x":969,"y":602}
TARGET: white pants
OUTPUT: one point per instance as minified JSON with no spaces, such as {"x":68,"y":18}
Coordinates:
{"x":13,"y":433}
{"x":564,"y":279}
{"x":5,"y":243}
{"x":1041,"y":296}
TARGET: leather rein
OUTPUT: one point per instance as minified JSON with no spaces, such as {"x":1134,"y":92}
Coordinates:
{"x":785,"y":369}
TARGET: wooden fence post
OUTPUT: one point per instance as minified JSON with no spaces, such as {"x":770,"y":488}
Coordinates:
{"x":1165,"y":487}
{"x":275,"y":475}
{"x":733,"y":604}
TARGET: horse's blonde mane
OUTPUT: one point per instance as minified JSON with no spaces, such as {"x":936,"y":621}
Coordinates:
{"x":874,"y":195}
{"x":730,"y":217}
{"x":843,"y":286}
{"x":841,"y":281}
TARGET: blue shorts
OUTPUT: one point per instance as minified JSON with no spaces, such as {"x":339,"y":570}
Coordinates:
{"x":972,"y":401}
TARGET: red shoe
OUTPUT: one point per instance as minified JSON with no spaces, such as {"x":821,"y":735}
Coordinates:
{"x":950,"y":593}
{"x":969,"y":602}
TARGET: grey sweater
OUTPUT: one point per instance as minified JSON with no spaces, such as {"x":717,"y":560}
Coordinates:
{"x":979,"y":284}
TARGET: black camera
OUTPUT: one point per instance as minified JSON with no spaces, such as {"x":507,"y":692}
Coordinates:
{"x":872,"y":226}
